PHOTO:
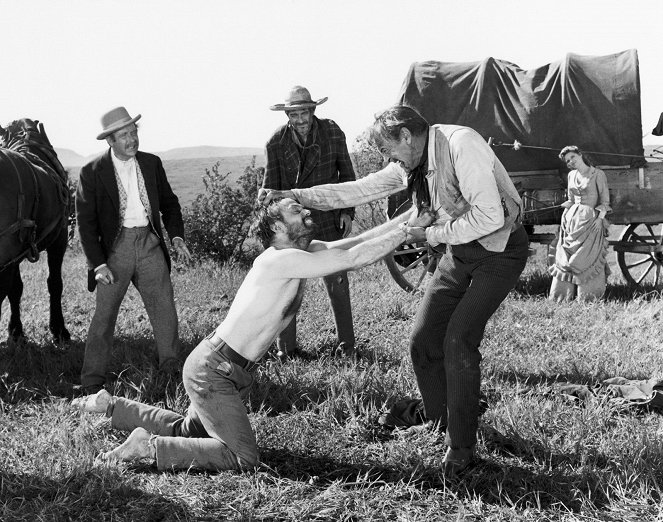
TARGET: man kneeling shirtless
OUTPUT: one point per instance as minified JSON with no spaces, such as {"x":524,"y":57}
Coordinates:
{"x":216,"y":433}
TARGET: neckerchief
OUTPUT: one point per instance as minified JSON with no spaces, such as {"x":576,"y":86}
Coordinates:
{"x":416,"y":181}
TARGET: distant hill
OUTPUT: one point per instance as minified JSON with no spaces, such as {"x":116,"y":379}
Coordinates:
{"x":69,"y":158}
{"x":186,"y":175}
{"x":208,"y":152}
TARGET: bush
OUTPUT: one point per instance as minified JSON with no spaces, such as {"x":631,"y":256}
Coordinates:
{"x":366,"y":158}
{"x":217,"y":222}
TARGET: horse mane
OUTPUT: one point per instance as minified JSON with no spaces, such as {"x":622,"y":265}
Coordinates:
{"x":29,"y":138}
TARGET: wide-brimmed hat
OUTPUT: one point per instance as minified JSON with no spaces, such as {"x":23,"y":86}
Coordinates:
{"x":298,"y":98}
{"x":114,"y":120}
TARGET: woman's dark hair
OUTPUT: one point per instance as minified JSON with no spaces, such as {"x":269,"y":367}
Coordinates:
{"x":387,"y":126}
{"x":575,"y":149}
{"x":261,"y":228}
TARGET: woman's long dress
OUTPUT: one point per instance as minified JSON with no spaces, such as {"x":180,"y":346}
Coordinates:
{"x":581,"y":252}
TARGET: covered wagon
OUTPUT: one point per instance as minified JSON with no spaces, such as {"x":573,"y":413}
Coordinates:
{"x":528,"y":116}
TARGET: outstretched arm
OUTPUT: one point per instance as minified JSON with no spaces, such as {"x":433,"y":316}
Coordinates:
{"x":414,"y":229}
{"x":377,"y":185}
{"x":345,"y":254}
{"x":292,"y":263}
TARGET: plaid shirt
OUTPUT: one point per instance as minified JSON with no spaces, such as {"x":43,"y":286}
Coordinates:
{"x":325,"y":160}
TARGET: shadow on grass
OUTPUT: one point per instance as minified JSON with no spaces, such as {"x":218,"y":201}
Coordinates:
{"x":507,"y":471}
{"x":33,"y":371}
{"x":537,"y":379}
{"x":30,"y":371}
{"x":537,"y":284}
{"x":623,"y":292}
{"x":86,"y":496}
{"x":274,"y":393}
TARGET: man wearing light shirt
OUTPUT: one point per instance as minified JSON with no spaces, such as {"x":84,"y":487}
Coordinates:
{"x":452,"y":171}
{"x":121,"y":198}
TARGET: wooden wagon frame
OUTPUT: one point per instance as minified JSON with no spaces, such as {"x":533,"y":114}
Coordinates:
{"x":636,"y":196}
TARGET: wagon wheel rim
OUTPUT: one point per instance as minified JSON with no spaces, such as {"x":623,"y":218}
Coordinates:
{"x":639,"y":268}
{"x":408,"y":266}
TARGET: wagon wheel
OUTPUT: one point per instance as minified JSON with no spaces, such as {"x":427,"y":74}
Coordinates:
{"x":409,"y":264}
{"x":639,"y":265}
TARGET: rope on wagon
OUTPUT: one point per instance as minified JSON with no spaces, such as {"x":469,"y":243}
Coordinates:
{"x":516,"y":145}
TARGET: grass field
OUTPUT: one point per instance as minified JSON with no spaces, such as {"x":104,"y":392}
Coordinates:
{"x":542,"y":456}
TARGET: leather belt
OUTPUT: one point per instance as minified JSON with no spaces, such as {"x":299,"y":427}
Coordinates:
{"x":220,"y":346}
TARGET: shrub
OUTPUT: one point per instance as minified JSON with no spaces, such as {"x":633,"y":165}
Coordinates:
{"x":217,"y":221}
{"x":366,"y":158}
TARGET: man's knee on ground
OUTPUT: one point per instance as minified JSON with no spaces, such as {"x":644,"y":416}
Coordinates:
{"x":247,"y":460}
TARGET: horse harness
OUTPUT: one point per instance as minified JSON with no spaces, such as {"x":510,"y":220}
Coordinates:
{"x":26,"y":226}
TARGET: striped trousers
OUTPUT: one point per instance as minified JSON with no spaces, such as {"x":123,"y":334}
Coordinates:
{"x":467,"y":287}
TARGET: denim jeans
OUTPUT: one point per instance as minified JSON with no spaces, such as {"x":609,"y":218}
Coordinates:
{"x":216,"y":433}
{"x":467,"y":287}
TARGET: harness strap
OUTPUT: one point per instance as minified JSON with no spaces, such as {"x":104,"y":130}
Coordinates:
{"x":26,"y":227}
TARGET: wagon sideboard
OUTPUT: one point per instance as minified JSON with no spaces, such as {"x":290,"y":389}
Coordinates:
{"x":636,"y":194}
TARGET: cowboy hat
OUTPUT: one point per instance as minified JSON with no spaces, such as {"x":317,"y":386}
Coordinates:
{"x":114,"y":120}
{"x":298,"y":98}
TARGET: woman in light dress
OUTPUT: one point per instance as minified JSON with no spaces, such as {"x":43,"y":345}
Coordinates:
{"x":580,"y":268}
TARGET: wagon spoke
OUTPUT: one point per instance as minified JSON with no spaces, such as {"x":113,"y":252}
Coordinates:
{"x":645,"y":260}
{"x":421,"y":278}
{"x":410,"y":266}
{"x":651,"y":233}
{"x":410,"y":251}
{"x":641,"y":267}
{"x":637,"y":238}
{"x":642,"y":277}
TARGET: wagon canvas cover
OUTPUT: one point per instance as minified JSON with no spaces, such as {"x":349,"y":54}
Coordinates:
{"x":589,"y":101}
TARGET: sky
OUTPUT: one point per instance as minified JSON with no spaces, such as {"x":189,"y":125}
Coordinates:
{"x":206,"y":72}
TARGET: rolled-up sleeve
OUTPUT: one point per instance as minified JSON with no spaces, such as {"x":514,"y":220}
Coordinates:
{"x":375,"y":186}
{"x":474,"y":164}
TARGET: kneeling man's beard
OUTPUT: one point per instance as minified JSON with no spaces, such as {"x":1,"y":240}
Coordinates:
{"x":302,"y":232}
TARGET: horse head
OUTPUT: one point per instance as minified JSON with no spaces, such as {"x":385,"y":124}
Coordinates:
{"x":26,"y":135}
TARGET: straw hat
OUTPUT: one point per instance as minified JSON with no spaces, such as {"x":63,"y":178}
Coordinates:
{"x":298,"y":98}
{"x":114,"y":120}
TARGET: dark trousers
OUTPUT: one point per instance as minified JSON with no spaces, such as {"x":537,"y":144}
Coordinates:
{"x":338,"y":289}
{"x":468,"y":286}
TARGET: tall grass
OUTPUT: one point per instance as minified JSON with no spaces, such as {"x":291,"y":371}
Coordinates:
{"x":542,"y":455}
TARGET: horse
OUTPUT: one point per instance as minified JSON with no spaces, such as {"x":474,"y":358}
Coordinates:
{"x":34,"y":211}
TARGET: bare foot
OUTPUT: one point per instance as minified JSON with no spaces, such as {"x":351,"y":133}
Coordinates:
{"x":96,"y":403}
{"x":136,"y":447}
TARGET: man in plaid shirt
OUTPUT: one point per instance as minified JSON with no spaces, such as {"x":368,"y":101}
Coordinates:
{"x":305,"y":152}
